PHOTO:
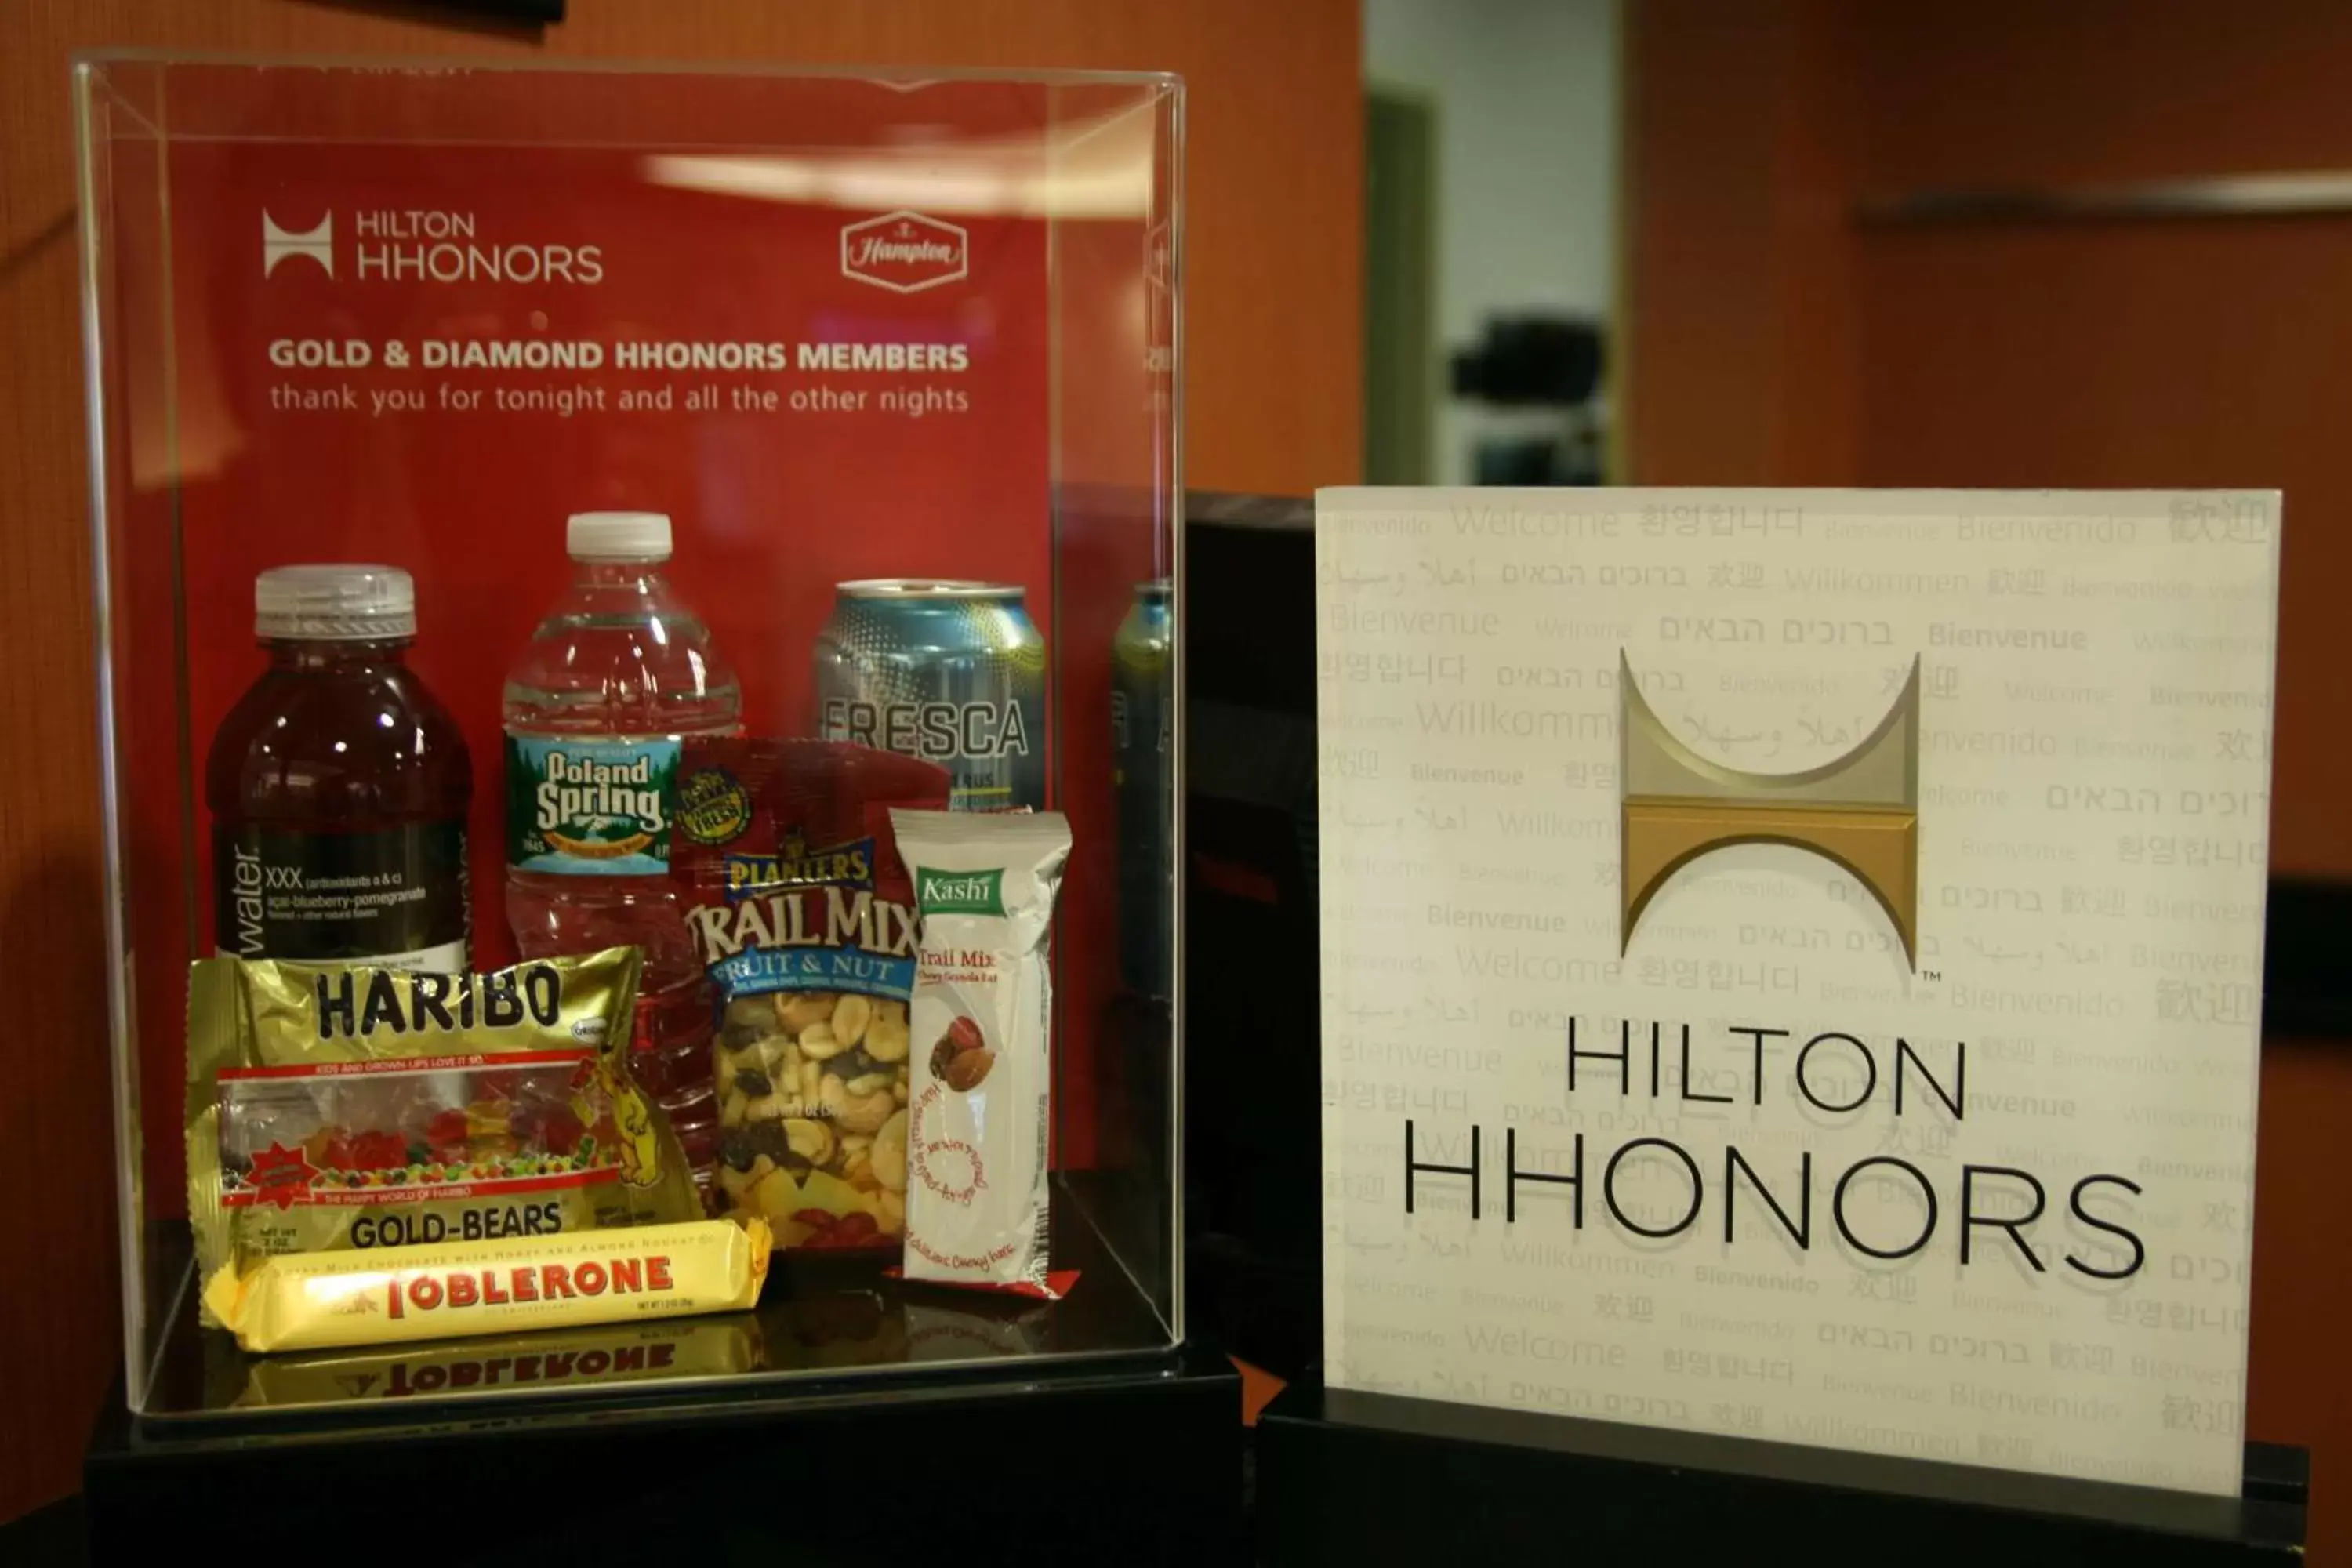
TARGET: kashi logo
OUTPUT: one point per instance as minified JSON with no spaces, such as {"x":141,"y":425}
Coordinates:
{"x":903,"y":252}
{"x":1861,"y":810}
{"x":959,"y":892}
{"x":278,"y":245}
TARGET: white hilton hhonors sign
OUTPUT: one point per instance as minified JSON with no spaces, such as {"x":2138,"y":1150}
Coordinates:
{"x":1791,"y":961}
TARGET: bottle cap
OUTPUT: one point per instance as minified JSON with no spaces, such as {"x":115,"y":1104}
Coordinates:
{"x":339,"y":602}
{"x":617,"y":536}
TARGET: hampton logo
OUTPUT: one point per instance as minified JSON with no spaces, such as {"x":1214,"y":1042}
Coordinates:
{"x":903,"y":252}
{"x":1860,"y":811}
{"x":278,"y":244}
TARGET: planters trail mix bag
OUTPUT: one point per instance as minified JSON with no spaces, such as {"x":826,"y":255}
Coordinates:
{"x":803,"y":917}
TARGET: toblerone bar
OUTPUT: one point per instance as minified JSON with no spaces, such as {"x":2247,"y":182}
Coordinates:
{"x":316,"y":1300}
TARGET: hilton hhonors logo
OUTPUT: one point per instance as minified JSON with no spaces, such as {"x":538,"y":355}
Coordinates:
{"x":279,"y":244}
{"x":428,"y":246}
{"x":1860,"y":811}
{"x":1958,"y":1169}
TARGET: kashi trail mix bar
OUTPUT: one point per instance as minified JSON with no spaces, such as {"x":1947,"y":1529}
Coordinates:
{"x":319,"y":1301}
{"x":983,"y":1017}
{"x":334,"y":1106}
{"x":801,"y":913}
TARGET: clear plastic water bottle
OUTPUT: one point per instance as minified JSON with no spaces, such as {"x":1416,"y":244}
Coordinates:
{"x":616,"y":676}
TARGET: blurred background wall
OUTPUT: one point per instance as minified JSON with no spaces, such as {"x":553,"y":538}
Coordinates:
{"x":1518,"y":101}
{"x":1273,"y":355}
{"x":1850,"y":261}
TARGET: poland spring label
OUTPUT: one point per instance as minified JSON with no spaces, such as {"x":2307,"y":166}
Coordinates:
{"x":591,"y":809}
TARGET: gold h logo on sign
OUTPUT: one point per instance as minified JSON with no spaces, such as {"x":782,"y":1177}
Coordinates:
{"x":1861,"y":811}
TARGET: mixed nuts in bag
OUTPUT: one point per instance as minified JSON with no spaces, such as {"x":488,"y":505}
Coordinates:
{"x":802,"y":914}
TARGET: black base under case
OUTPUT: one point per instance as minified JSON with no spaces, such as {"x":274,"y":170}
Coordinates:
{"x":1352,"y":1477}
{"x":1114,"y":1462}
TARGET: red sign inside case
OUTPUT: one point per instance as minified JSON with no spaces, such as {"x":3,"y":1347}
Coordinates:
{"x":429,"y":354}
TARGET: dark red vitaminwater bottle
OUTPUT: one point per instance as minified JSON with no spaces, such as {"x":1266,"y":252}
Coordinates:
{"x":339,"y":785}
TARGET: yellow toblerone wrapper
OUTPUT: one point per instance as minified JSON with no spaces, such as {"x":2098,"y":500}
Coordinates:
{"x":318,"y":1301}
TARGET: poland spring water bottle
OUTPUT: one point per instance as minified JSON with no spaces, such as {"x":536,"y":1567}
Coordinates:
{"x":618,"y":673}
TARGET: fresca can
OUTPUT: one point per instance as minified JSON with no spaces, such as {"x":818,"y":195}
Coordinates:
{"x":950,"y":671}
{"x":1144,"y":777}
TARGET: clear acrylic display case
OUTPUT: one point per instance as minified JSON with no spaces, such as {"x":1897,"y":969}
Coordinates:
{"x":876,"y":324}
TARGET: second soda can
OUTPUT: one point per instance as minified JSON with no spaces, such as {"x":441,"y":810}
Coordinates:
{"x":951,"y":671}
{"x":1144,"y":777}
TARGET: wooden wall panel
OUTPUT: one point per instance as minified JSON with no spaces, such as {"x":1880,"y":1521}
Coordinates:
{"x":1776,"y":340}
{"x":1274,"y":185}
{"x":2205,"y":353}
{"x":1736,"y":280}
{"x":1700,"y":334}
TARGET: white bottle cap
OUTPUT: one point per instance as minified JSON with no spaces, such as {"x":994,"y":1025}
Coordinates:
{"x":617,"y":536}
{"x":338,"y":602}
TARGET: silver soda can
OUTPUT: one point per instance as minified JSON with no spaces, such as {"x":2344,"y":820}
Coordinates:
{"x":950,"y":671}
{"x":1142,"y":709}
